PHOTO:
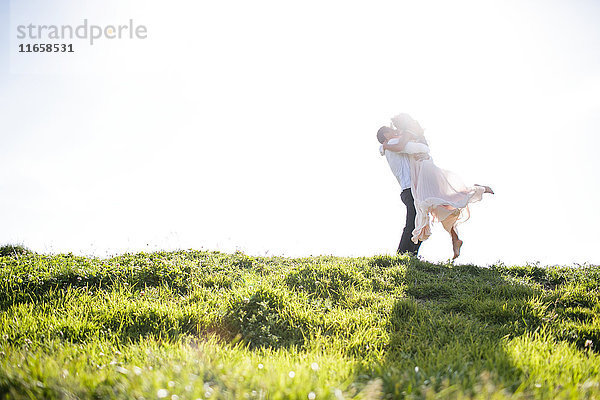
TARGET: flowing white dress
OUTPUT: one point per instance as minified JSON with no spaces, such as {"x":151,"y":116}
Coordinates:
{"x":439,"y":195}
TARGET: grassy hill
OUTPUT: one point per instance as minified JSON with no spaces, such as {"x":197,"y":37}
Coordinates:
{"x":208,"y":325}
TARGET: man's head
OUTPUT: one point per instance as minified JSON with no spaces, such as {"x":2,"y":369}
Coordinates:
{"x":385,"y":133}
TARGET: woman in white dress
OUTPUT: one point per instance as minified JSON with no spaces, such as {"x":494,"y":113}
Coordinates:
{"x":439,"y":195}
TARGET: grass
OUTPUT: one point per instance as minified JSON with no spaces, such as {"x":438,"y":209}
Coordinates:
{"x":208,"y":325}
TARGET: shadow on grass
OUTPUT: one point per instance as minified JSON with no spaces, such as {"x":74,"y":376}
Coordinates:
{"x":451,"y":328}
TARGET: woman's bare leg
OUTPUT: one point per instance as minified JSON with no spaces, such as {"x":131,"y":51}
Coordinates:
{"x":456,"y":243}
{"x":487,"y":189}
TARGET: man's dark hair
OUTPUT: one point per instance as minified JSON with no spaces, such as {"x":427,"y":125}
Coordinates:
{"x":381,"y":133}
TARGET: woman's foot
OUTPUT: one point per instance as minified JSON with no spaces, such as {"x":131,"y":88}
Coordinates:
{"x":456,"y":245}
{"x":487,"y":189}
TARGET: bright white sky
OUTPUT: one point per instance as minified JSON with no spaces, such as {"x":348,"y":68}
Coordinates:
{"x":251,"y":126}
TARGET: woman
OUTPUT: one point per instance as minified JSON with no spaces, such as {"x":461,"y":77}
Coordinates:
{"x":438,"y":194}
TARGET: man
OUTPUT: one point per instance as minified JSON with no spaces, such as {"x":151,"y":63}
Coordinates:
{"x":399,"y":164}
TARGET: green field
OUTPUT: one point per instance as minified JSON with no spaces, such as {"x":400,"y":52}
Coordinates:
{"x":209,"y":325}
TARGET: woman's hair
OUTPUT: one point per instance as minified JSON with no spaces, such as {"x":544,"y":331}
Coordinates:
{"x":381,"y":133}
{"x":404,"y":122}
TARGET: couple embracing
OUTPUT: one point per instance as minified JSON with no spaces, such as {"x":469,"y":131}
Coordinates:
{"x":429,"y":192}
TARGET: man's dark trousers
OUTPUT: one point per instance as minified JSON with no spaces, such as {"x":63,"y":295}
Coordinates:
{"x":407,"y":245}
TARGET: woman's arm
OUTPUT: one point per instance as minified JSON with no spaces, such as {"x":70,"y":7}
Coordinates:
{"x":398,"y":143}
{"x":415,"y":147}
{"x":400,"y":146}
{"x":408,"y":148}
